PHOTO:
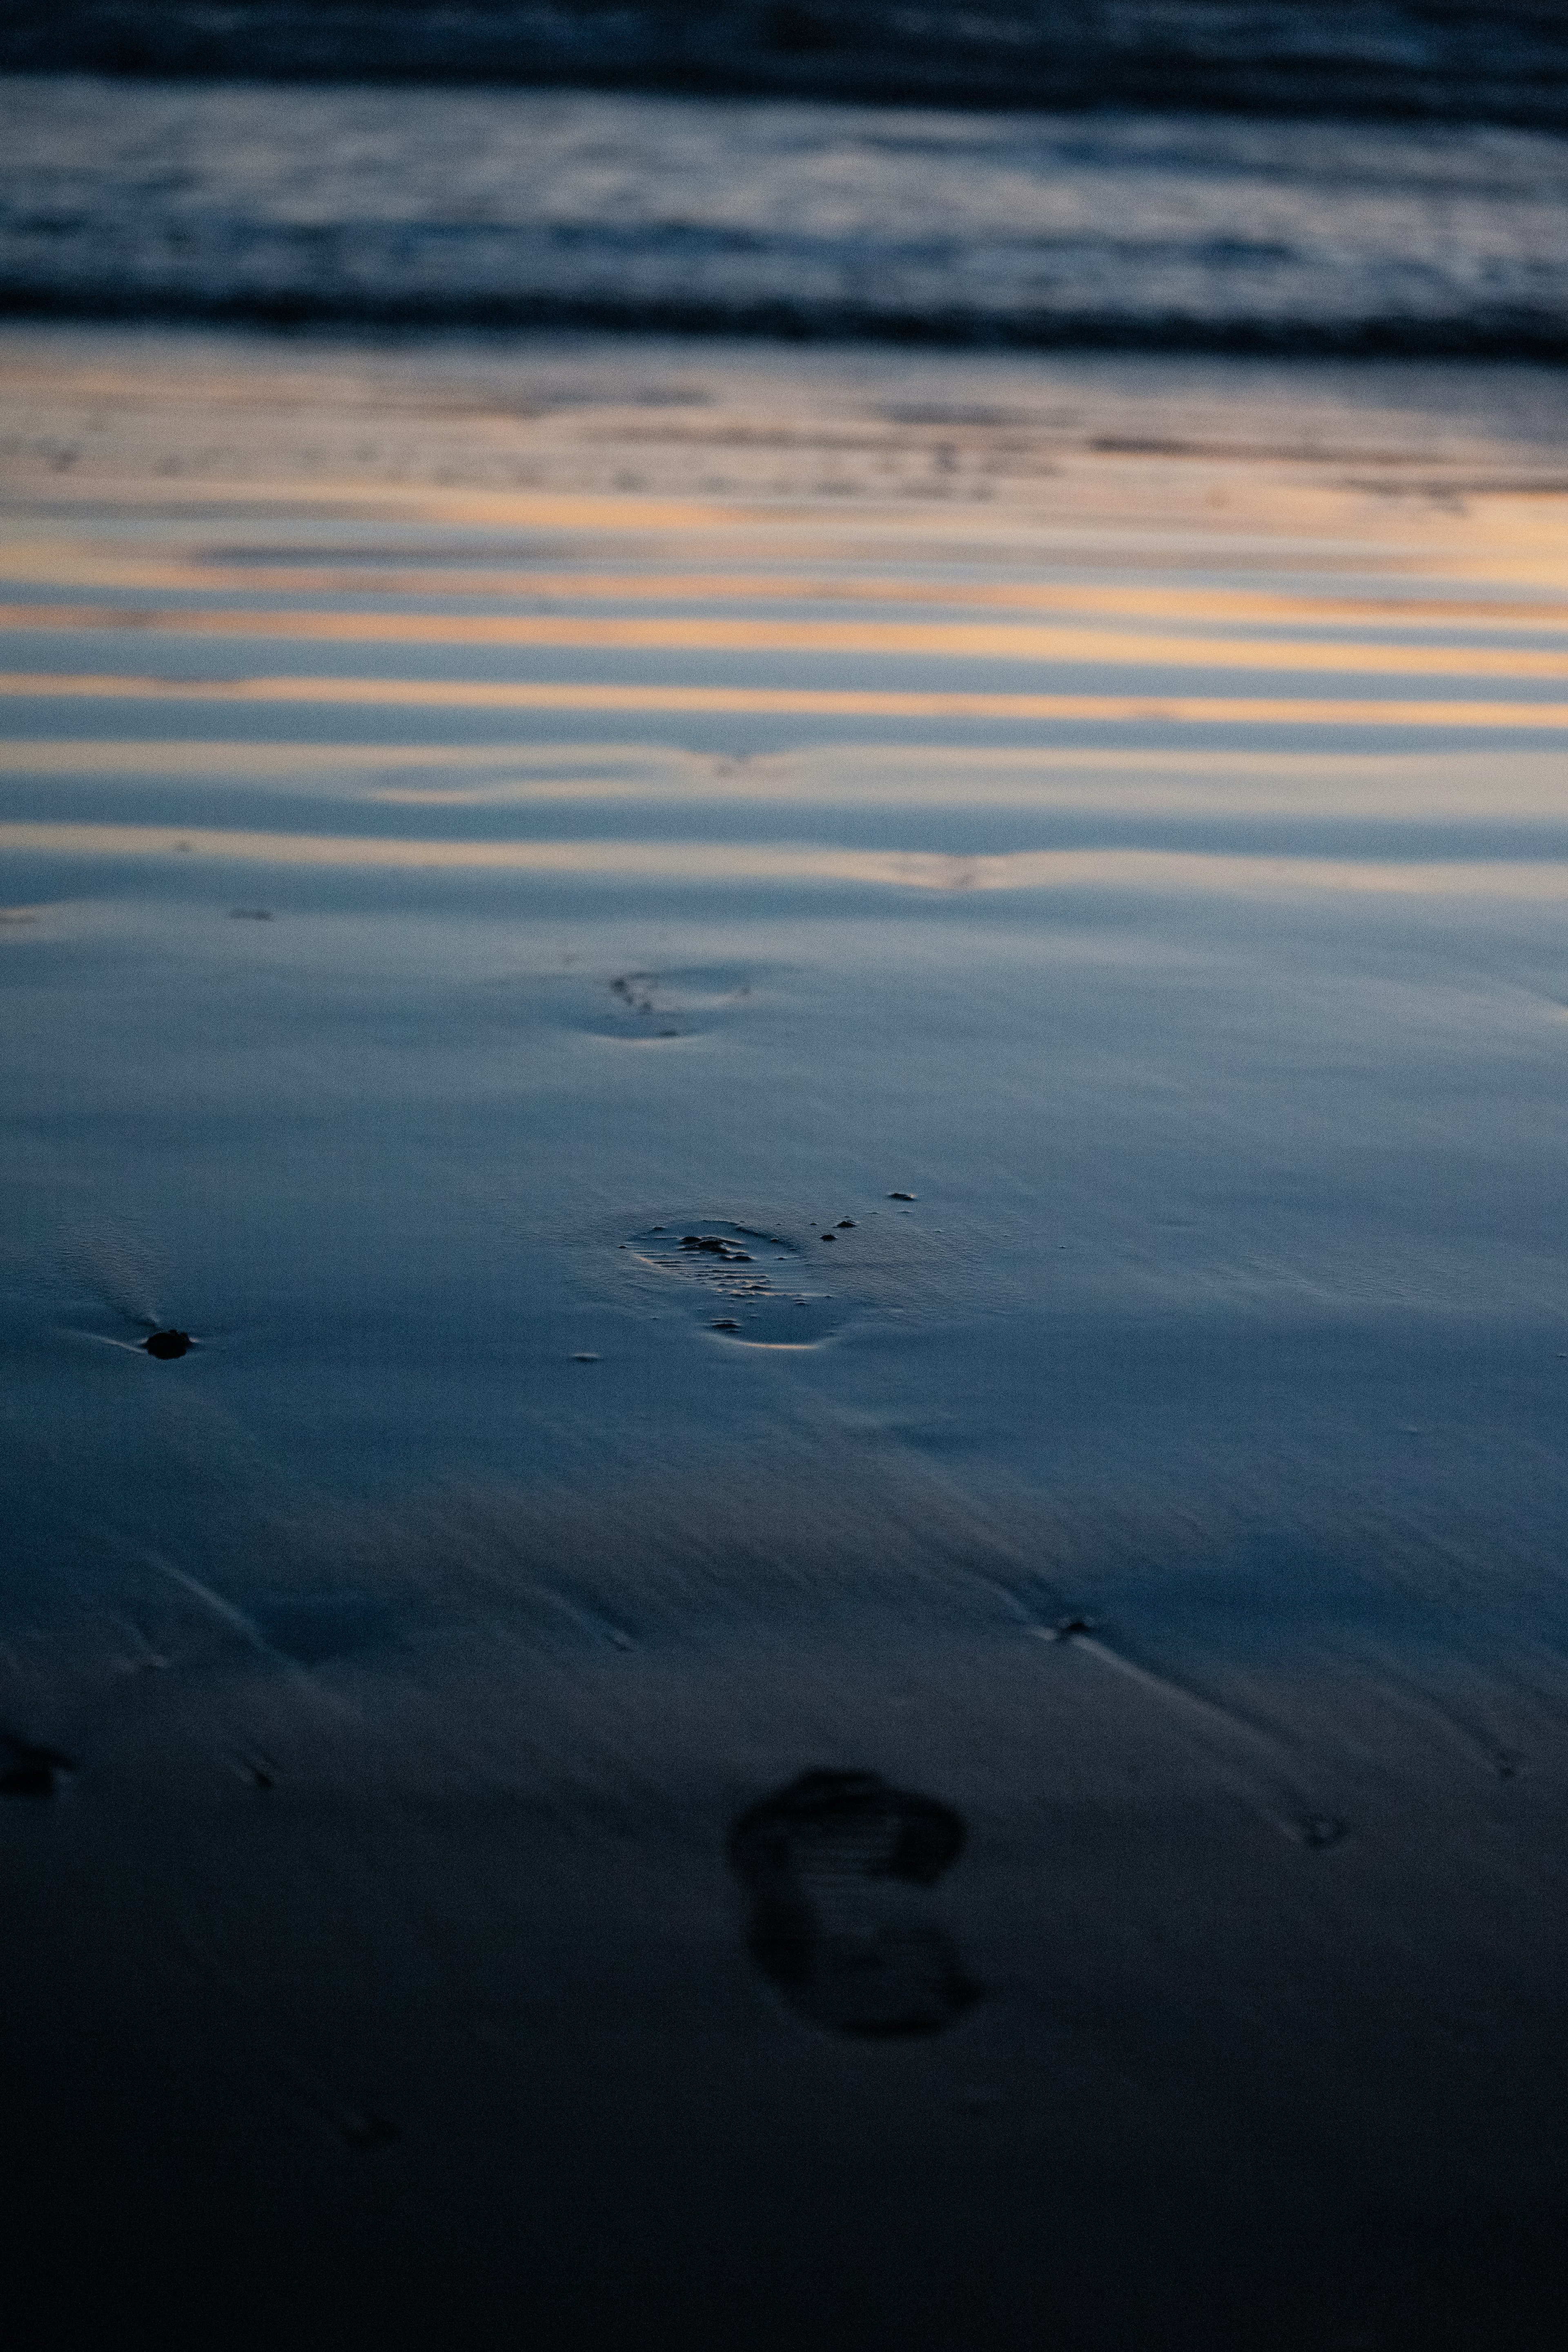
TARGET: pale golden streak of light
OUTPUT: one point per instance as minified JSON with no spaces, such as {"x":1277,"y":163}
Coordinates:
{"x":875,"y":535}
{"x":819,"y":529}
{"x":973,"y":641}
{"x":1165,"y":871}
{"x":785,"y":702}
{"x":75,"y":565}
{"x":1348,"y":800}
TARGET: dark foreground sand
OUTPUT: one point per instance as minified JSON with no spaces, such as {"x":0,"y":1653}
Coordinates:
{"x":475,"y":817}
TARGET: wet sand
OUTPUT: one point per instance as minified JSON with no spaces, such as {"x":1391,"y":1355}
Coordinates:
{"x":846,"y":1065}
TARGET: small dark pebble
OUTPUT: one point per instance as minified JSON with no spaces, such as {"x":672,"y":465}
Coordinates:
{"x":165,"y":1345}
{"x":846,"y":1223}
{"x":585,"y":1359}
{"x":827,"y":1237}
{"x":37,"y":1772}
{"x":902,"y":1196}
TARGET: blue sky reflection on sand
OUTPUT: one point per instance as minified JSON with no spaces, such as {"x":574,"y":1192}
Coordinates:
{"x":1429,"y":580}
{"x":1220,"y":1037}
{"x":1387,"y":547}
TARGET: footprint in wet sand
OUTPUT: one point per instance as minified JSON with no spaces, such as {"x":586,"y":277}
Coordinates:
{"x":648,"y":1006}
{"x":735,"y":1266}
{"x":835,"y":1865}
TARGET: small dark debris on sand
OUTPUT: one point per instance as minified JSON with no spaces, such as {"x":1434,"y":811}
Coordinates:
{"x":845,"y":1224}
{"x":827,"y":1237}
{"x":725,"y":1323}
{"x":634,"y":990}
{"x":584,"y":1359}
{"x":1066,"y":1627}
{"x":166,"y":1345}
{"x":903,"y":1196}
{"x":30,"y":1771}
{"x":715,"y":1246}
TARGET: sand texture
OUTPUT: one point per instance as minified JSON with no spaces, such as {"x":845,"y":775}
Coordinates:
{"x":831,"y":1617}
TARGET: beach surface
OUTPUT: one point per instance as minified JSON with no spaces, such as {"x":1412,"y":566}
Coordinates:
{"x":846,"y":1628}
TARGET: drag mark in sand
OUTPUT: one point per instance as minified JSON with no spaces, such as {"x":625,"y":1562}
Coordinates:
{"x":314,"y":2085}
{"x":1247,"y":1755}
{"x":831,"y":1864}
{"x":319,"y":1627}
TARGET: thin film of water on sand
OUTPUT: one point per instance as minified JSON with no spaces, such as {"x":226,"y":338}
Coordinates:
{"x":849,"y":1071}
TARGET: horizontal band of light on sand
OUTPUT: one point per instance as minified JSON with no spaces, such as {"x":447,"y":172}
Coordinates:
{"x":83,"y":566}
{"x":784,"y":702}
{"x":927,"y":640}
{"x":699,"y":862}
{"x":1477,"y":782}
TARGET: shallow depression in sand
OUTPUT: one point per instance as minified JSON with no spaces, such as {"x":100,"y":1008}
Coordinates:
{"x":753,"y":1283}
{"x":642,"y":1008}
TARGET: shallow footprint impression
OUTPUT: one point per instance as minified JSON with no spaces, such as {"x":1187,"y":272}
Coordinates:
{"x":833,"y":1865}
{"x":752,"y":1278}
{"x":651,"y":1007}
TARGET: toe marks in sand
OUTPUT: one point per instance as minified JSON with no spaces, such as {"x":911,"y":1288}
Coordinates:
{"x":763,"y":1281}
{"x":735,"y":1266}
{"x":649,"y":1005}
{"x":835,"y":1865}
